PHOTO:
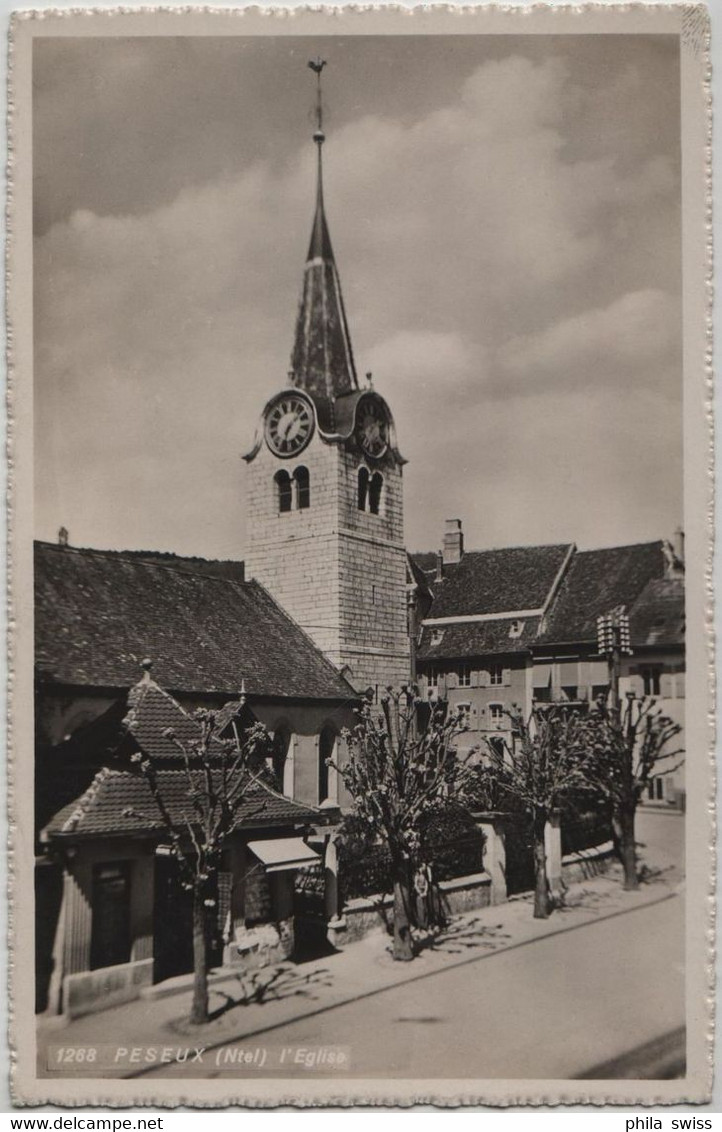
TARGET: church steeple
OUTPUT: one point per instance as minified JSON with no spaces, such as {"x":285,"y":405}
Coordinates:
{"x":322,"y":360}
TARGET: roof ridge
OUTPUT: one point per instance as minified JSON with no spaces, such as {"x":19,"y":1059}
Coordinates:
{"x":622,"y":546}
{"x":121,"y":555}
{"x":86,"y":799}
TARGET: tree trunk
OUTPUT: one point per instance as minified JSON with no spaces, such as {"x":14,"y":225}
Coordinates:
{"x":628,"y":846}
{"x":403,"y":948}
{"x":199,"y":1009}
{"x":542,"y":896}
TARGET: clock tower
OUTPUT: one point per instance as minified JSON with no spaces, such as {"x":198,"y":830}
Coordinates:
{"x":325,"y":504}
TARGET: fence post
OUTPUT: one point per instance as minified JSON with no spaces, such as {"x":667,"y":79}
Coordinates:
{"x":553,"y":849}
{"x":494,"y":832}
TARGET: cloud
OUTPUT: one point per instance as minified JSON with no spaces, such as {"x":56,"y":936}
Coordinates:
{"x":632,"y":342}
{"x":479,"y":259}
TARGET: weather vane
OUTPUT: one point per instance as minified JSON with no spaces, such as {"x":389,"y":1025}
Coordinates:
{"x":317,"y":65}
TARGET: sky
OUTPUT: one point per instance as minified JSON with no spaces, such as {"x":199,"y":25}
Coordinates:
{"x":505,"y":213}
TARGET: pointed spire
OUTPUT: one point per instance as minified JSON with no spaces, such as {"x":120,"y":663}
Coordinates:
{"x":322,"y":360}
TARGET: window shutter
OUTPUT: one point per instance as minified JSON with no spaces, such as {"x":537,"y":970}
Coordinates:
{"x":452,"y":680}
{"x":666,"y":686}
{"x":636,"y":685}
{"x":679,"y":685}
{"x":484,"y":678}
{"x":506,"y":677}
{"x":442,"y":687}
{"x":475,"y":675}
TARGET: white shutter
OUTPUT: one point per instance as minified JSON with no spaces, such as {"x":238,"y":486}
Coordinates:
{"x":666,"y":685}
{"x":506,"y":677}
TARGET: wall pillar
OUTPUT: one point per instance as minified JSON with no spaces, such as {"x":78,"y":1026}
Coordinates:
{"x":289,"y":768}
{"x":553,"y":850}
{"x":336,"y":930}
{"x":494,"y":831}
{"x":330,"y":865}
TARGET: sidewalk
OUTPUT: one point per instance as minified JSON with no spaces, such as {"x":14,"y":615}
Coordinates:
{"x":245,"y":1006}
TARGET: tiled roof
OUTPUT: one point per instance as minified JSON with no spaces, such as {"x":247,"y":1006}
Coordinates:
{"x":120,"y":802}
{"x":598,"y":581}
{"x":217,"y":567}
{"x":152,"y":713}
{"x":475,"y":638}
{"x":322,"y":360}
{"x":98,"y":615}
{"x":657,"y":616}
{"x":498,"y":581}
{"x":425,"y":562}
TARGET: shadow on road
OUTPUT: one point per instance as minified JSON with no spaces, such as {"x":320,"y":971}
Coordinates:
{"x":662,"y":1059}
{"x":263,"y":985}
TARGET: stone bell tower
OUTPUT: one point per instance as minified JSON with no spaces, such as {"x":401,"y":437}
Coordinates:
{"x":325,"y":499}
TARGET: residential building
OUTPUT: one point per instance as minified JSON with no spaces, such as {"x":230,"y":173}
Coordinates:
{"x":517,"y":626}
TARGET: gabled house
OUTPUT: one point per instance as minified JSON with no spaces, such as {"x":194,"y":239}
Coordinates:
{"x":518,"y":625}
{"x":124,"y":920}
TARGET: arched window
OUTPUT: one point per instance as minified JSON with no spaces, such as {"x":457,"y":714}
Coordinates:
{"x":281,"y":744}
{"x":363,"y":488}
{"x":375,"y":485}
{"x":283,"y":490}
{"x":326,"y":745}
{"x":303,"y":488}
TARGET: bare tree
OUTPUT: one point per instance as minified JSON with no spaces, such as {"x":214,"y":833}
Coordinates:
{"x":544,"y":764}
{"x":219,"y":776}
{"x":632,"y":746}
{"x":399,"y":771}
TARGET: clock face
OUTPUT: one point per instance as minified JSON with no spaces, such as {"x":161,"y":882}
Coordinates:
{"x":289,"y":426}
{"x":372,"y":429}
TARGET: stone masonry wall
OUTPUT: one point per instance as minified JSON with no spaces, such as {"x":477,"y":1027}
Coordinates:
{"x":338,"y":571}
{"x":295,"y":554}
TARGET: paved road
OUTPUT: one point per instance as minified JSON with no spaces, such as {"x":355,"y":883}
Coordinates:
{"x":660,"y":835}
{"x":549,"y":1009}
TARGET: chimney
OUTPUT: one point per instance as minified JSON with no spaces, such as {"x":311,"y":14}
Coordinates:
{"x":63,"y":536}
{"x":453,"y":549}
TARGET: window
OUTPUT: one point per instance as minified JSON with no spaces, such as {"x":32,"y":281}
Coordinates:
{"x":570,"y":692}
{"x":464,"y":675}
{"x":326,"y":744}
{"x":650,"y":680}
{"x":464,"y":711}
{"x":655,"y":789}
{"x":516,"y":628}
{"x":496,"y":715}
{"x":496,"y":674}
{"x":284,"y":494}
{"x":432,"y":680}
{"x":437,"y":636}
{"x":599,"y":691}
{"x":376,"y":483}
{"x":363,"y":488}
{"x":303,"y":488}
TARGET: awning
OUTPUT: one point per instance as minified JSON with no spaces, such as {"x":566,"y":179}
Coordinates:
{"x":282,"y":853}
